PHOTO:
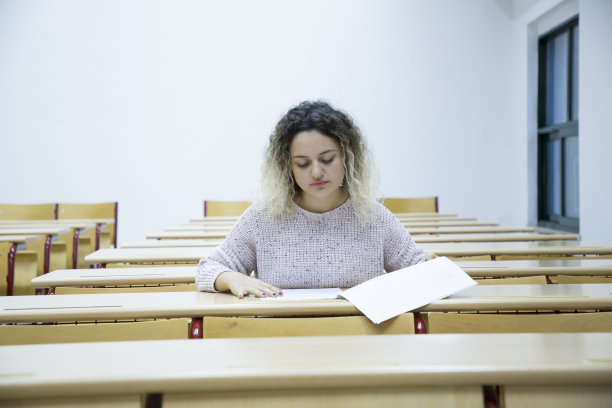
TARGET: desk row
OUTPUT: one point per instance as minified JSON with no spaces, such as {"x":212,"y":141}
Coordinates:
{"x":28,"y":249}
{"x":561,"y":370}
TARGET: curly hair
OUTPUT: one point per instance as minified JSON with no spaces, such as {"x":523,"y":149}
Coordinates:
{"x":278,"y":189}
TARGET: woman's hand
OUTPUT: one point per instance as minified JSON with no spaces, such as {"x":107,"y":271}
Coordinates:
{"x":242,"y":285}
{"x":430,"y":255}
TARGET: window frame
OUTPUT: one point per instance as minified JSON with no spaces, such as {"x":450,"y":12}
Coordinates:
{"x":560,"y":131}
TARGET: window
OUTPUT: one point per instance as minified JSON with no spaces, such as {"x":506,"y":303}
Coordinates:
{"x":558,"y":198}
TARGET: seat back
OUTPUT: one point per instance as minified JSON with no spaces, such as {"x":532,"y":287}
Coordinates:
{"x":232,"y":327}
{"x":225,"y":208}
{"x":440,"y":322}
{"x":69,"y":290}
{"x":92,"y":210}
{"x":520,"y":280}
{"x":162,"y":329}
{"x":410,"y":205}
{"x":583,"y":279}
{"x":27,"y":211}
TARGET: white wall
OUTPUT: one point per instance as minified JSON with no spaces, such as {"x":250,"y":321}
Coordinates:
{"x":595,"y":124}
{"x":161,"y":104}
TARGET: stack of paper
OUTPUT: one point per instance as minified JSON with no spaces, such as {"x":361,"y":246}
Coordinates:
{"x":398,"y":292}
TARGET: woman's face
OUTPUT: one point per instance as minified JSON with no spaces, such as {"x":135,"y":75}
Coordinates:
{"x":318,"y":166}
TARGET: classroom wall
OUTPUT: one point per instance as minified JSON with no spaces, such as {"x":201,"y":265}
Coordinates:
{"x":161,"y":104}
{"x":595,"y":119}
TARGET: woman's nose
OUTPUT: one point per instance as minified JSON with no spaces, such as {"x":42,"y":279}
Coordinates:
{"x":317,"y":170}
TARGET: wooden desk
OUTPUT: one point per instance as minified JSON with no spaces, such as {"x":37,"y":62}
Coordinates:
{"x":222,"y":219}
{"x":467,"y":230}
{"x":117,"y":276}
{"x":117,"y":306}
{"x":521,"y":250}
{"x":217,"y":235}
{"x":447,"y":223}
{"x":434,"y":218}
{"x":148,"y":255}
{"x":73,"y":239}
{"x":50,"y":234}
{"x":407,"y":224}
{"x":99,"y":224}
{"x":409,"y":216}
{"x":14,"y":275}
{"x":421,"y":235}
{"x":169,"y":243}
{"x":212,"y":228}
{"x":213,"y":232}
{"x":517,"y":268}
{"x":425,"y":215}
{"x":186,"y":274}
{"x":558,"y":370}
{"x":428,"y":238}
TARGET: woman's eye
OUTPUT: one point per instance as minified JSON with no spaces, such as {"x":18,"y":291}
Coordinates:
{"x":302,"y":165}
{"x":327,"y":161}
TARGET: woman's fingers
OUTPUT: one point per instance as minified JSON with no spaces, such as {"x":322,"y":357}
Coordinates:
{"x":252,"y":286}
{"x":430,"y":255}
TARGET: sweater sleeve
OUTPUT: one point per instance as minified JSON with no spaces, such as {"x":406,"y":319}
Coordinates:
{"x":400,"y":250}
{"x":236,"y":253}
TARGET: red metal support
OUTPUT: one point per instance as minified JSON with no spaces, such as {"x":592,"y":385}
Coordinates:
{"x":47,"y":260}
{"x":75,"y":248}
{"x":419,"y":324}
{"x":116,"y":222}
{"x":10,"y":275}
{"x":196,"y":328}
{"x":98,"y":232}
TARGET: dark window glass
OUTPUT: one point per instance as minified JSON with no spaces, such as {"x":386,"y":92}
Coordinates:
{"x":558,"y":190}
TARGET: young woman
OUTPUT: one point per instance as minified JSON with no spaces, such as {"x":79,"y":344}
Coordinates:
{"x":317,"y":223}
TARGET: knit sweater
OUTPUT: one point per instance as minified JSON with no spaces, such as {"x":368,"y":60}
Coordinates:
{"x":311,"y":250}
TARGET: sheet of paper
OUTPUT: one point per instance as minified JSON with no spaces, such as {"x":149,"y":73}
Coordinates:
{"x":307,"y":294}
{"x":391,"y":294}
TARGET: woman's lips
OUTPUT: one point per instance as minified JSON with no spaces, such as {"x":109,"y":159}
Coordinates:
{"x":319,"y":183}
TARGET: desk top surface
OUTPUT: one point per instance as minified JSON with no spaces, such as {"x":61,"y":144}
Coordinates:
{"x":467,"y":230}
{"x":448,"y":238}
{"x":198,"y":304}
{"x":195,"y":238}
{"x":33,"y":229}
{"x":186,"y":274}
{"x":194,"y":254}
{"x":116,"y":276}
{"x":557,"y":264}
{"x":19,"y":239}
{"x":425,"y":214}
{"x":169,"y":243}
{"x":215,"y":365}
{"x":519,"y":248}
{"x":61,"y":221}
{"x":410,"y":223}
{"x":118,"y":255}
{"x":193,"y":234}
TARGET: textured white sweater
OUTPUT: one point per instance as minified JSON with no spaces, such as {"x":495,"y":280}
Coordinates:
{"x":310,"y":250}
